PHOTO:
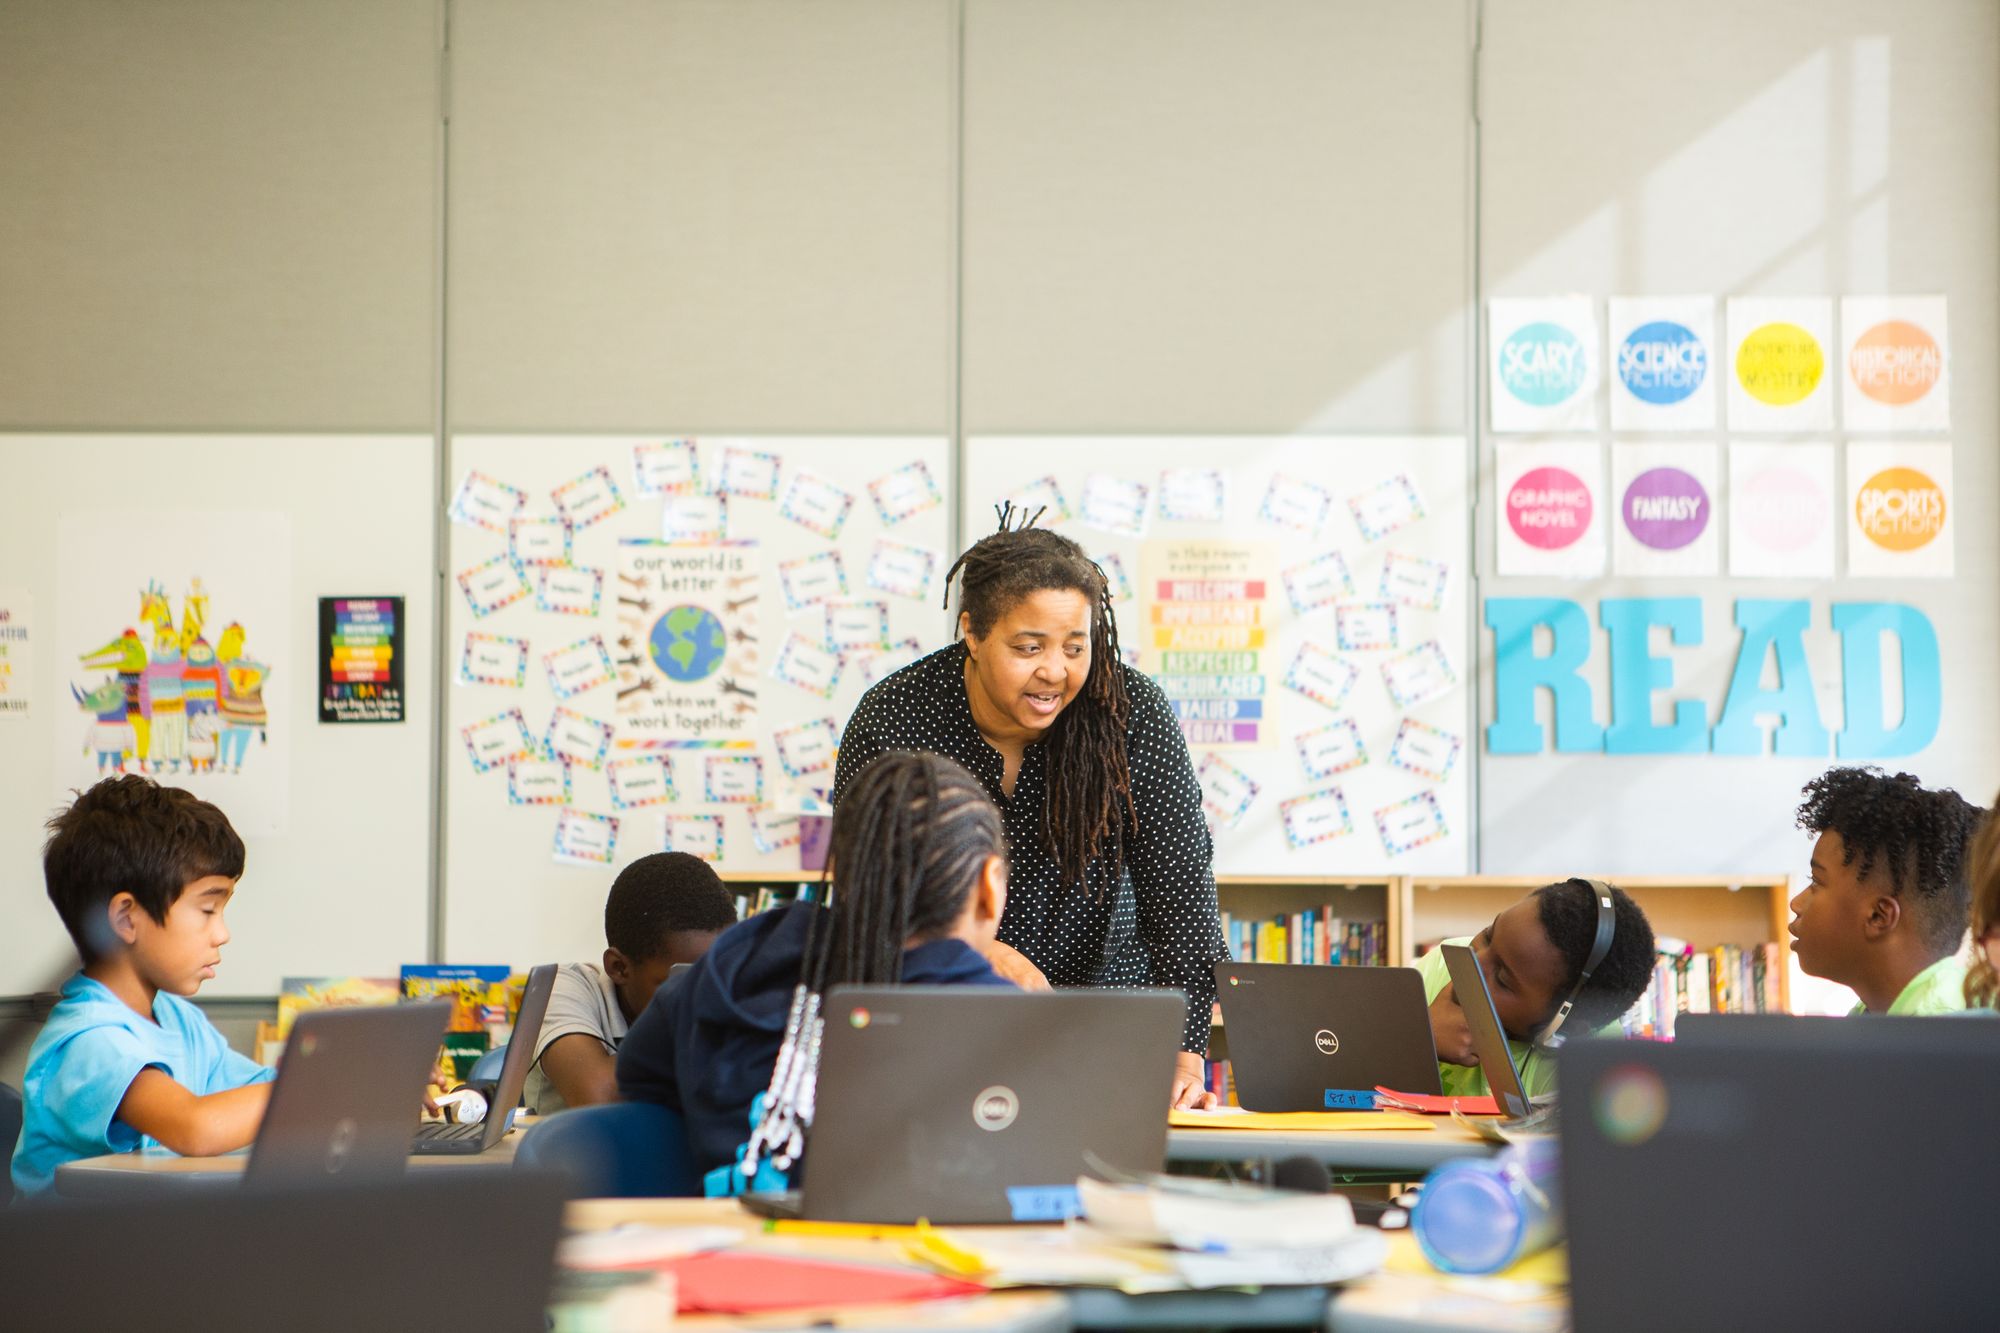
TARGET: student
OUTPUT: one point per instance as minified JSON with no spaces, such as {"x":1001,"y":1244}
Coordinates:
{"x":1532,"y":955}
{"x":664,"y":909}
{"x":918,"y":876}
{"x":1885,"y":910}
{"x":141,"y":875}
{"x":1982,"y":979}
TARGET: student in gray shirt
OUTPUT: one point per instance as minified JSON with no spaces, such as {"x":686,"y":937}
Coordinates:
{"x":664,"y":909}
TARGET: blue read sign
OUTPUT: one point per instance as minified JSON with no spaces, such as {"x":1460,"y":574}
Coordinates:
{"x":1768,"y":627}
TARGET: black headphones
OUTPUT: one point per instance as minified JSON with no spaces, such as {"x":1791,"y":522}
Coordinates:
{"x":1607,"y":930}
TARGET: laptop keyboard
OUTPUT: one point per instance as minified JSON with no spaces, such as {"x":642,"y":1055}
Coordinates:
{"x":436,"y":1129}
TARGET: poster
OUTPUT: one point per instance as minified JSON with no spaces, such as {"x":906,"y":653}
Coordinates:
{"x":1895,"y":363}
{"x":1666,"y":525}
{"x":1551,"y":513}
{"x":1543,"y":364}
{"x":17,"y":652}
{"x":1899,"y":511}
{"x":1662,"y":362}
{"x":1779,"y":352}
{"x":360,"y":659}
{"x":687,"y":646}
{"x":1207,"y":642}
{"x":171,"y":631}
{"x":1781,"y":510}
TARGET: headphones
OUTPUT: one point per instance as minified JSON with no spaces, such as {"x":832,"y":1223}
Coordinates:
{"x":1607,"y":929}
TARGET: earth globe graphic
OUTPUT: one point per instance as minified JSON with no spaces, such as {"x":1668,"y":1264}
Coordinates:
{"x":688,"y":643}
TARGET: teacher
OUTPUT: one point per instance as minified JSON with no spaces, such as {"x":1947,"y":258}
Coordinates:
{"x":1110,"y":880}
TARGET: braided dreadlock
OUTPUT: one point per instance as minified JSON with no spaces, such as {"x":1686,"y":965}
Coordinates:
{"x":1088,"y":816}
{"x":1916,"y":837}
{"x":910,"y":837}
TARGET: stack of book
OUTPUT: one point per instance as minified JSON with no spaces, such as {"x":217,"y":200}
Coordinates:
{"x":1314,"y":935}
{"x":752,"y":900}
{"x":1725,"y":979}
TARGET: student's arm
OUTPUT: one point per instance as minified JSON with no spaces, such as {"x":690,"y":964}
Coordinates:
{"x":157,"y":1106}
{"x":582,"y":1069}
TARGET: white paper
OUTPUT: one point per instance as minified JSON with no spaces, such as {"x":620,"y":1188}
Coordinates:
{"x":1663,"y":364}
{"x":1895,"y":363}
{"x":1667,"y":495}
{"x":1543,"y":363}
{"x":1550,"y":519}
{"x":1780,"y":364}
{"x":1781,"y":510}
{"x":17,"y":652}
{"x":1900,"y":510}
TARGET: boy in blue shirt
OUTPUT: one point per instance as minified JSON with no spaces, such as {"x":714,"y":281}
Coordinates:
{"x":140,"y":875}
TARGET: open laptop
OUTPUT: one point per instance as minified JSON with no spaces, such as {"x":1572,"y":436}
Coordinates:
{"x":1844,"y":1181}
{"x":331,"y":1258}
{"x":965,"y":1104}
{"x":1489,"y":1039}
{"x":437,"y":1137}
{"x":347,"y":1090}
{"x":1311,"y":1038}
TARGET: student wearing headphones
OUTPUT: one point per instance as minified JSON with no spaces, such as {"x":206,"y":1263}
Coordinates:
{"x":1570,"y":957}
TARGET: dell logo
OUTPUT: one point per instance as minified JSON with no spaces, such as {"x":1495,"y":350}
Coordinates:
{"x":995,"y":1108}
{"x":1325,"y":1042}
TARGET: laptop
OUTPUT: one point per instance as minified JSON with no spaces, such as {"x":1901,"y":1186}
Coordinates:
{"x":965,"y":1104}
{"x":435,"y":1137}
{"x":347,"y":1091}
{"x":1489,"y":1039}
{"x":1845,"y":1181}
{"x":1314,"y":1038}
{"x":329,"y":1259}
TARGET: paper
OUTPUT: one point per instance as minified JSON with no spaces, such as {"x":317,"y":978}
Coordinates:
{"x":741,"y":1282}
{"x":576,"y":739}
{"x":1321,"y":676}
{"x":1116,"y":579}
{"x":1662,"y":354}
{"x":809,"y":666}
{"x":1043,"y":500}
{"x":1386,"y":507}
{"x":671,"y":467}
{"x":749,"y":473}
{"x":1544,"y":368}
{"x":1235,"y":1118}
{"x":904,"y":493}
{"x":1782,"y":510}
{"x":589,"y":499}
{"x":1551,"y":516}
{"x":1900,"y":510}
{"x":732,"y":779}
{"x":857,"y":626}
{"x":17,"y":659}
{"x":1114,"y":504}
{"x":901,"y":569}
{"x":1292,"y":503}
{"x":586,"y":839}
{"x":874,"y":666}
{"x":810,"y":580}
{"x":575,"y":591}
{"x":537,"y":782}
{"x":1413,"y":581}
{"x":1194,"y":495}
{"x":1208,"y":647}
{"x":1227,"y":792}
{"x":1316,"y":817}
{"x":494,"y":741}
{"x":583,"y":665}
{"x":1778,"y":351}
{"x":485,"y":502}
{"x":689,"y":647}
{"x":360,"y":659}
{"x":492,"y":585}
{"x":493,"y":659}
{"x":697,"y":835}
{"x":694,"y":518}
{"x":1320,"y":581}
{"x":1666,"y":527}
{"x":1410,"y":824}
{"x":1364,"y":626}
{"x":1427,"y":751}
{"x":1420,"y":675}
{"x":637,"y":783}
{"x":809,"y":747}
{"x":1897,"y":363}
{"x":540,"y":542}
{"x":772,"y":829}
{"x":1331,"y":749}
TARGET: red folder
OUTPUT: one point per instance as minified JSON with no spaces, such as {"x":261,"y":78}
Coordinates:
{"x":1425,"y":1103}
{"x":736,"y":1282}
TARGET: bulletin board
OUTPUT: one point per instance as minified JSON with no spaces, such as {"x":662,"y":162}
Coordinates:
{"x":655,"y":642}
{"x":1302,"y":602}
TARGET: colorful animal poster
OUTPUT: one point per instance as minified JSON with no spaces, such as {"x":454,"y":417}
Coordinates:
{"x":687,"y":648}
{"x":360,"y":659}
{"x":1662,"y":363}
{"x":173,"y":627}
{"x":1782,"y":510}
{"x":1780,"y":364}
{"x":1544,"y":363}
{"x":1551,"y":512}
{"x":1900,"y":511}
{"x":1667,"y":495}
{"x":1895,"y":363}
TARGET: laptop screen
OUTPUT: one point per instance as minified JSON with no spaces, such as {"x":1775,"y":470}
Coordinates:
{"x":1489,"y":1039}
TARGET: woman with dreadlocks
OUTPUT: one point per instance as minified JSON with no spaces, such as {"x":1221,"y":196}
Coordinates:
{"x":916,"y":882}
{"x":1110,"y":860}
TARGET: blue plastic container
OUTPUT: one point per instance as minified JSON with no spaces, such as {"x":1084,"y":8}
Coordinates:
{"x":1478,"y":1215}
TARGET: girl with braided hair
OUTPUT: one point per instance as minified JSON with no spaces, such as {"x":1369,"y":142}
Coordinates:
{"x":915,"y":885}
{"x":1111,"y":879}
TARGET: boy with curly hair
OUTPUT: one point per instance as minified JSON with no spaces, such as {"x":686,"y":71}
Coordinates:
{"x":1885,"y":910}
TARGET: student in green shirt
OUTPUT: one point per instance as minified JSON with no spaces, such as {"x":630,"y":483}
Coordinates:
{"x":1532,"y":955}
{"x":1885,"y":910}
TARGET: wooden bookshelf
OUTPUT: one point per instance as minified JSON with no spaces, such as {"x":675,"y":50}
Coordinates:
{"x":1703,"y":910}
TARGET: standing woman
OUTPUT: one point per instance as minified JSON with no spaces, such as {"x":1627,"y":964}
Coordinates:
{"x":1111,"y":881}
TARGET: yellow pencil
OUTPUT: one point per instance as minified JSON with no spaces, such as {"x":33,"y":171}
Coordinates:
{"x":785,"y":1226}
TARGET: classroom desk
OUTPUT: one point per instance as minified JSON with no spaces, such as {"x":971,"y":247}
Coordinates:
{"x":127,"y":1174}
{"x":1366,"y":1150}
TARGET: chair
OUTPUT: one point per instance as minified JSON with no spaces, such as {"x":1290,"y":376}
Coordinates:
{"x":10,"y":1133}
{"x":615,"y":1150}
{"x":487,"y":1067}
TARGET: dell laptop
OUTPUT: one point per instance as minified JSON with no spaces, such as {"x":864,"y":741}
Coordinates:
{"x":964,"y":1104}
{"x":348,"y":1087}
{"x":437,"y":1137}
{"x":1314,"y":1038}
{"x":1489,"y":1039}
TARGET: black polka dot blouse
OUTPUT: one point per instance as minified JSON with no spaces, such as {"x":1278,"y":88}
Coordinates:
{"x":1160,"y":926}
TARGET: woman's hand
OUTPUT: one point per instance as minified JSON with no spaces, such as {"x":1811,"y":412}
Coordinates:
{"x":1012,"y":964}
{"x":1450,"y":1032}
{"x":1190,"y":1092}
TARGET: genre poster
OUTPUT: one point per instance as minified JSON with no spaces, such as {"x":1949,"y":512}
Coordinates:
{"x":1209,"y":636}
{"x":360,"y":659}
{"x":686,"y":644}
{"x":170,"y":630}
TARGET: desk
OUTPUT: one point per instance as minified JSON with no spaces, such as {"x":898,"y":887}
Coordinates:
{"x":1416,"y":1151}
{"x":127,"y":1174}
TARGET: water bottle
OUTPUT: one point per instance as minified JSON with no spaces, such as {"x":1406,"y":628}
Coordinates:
{"x":1478,"y":1215}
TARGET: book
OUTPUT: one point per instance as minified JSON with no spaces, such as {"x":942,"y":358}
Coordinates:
{"x":296,"y":995}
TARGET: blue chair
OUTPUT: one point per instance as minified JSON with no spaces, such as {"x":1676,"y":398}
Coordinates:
{"x":487,"y":1066}
{"x":616,"y":1150}
{"x":10,"y":1133}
